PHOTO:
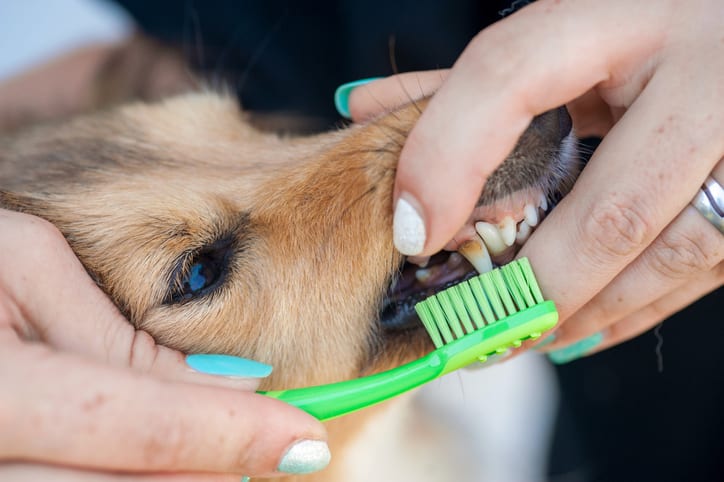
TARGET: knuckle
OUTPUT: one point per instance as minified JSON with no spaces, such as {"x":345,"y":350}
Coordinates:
{"x":142,"y":351}
{"x":719,"y":273}
{"x":44,"y":229}
{"x":681,"y":253}
{"x":46,"y":237}
{"x":615,"y":228}
{"x":166,"y":445}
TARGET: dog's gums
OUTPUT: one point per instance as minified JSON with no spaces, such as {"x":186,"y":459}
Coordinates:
{"x":217,"y":238}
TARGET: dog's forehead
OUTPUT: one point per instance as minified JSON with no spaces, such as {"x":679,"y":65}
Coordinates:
{"x":206,"y":130}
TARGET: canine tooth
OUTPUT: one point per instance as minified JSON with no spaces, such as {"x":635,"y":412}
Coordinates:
{"x":531,"y":215}
{"x":543,"y":202}
{"x":476,"y":252}
{"x":507,"y":230}
{"x":524,"y":231}
{"x":491,"y":236}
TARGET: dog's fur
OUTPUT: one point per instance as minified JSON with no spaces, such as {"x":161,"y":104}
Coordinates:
{"x":301,"y":228}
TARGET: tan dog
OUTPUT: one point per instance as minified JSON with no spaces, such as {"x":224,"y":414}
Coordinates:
{"x":215,"y":237}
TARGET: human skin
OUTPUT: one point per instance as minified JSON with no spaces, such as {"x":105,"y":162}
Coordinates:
{"x":624,"y":249}
{"x":85,"y":396}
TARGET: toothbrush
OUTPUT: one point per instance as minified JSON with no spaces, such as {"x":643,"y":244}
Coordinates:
{"x":467,"y":323}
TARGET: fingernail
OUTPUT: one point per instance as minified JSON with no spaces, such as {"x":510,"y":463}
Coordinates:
{"x":546,"y":341}
{"x":341,"y":95}
{"x":304,"y":457}
{"x":245,"y":479}
{"x":576,"y":350}
{"x":408,"y":229}
{"x":227,"y":365}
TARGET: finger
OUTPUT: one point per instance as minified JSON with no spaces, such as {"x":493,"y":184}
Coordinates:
{"x":497,"y":85}
{"x":686,"y":250}
{"x":644,"y":173}
{"x":591,"y":115}
{"x":653,"y":314}
{"x":384,"y":95}
{"x":65,"y":309}
{"x":640,"y":321}
{"x":16,"y":472}
{"x":109,"y":418}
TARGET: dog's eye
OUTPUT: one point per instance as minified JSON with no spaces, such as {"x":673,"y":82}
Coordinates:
{"x":204,"y":273}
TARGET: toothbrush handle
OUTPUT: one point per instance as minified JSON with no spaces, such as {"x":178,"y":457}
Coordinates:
{"x":335,"y":399}
{"x":329,"y":401}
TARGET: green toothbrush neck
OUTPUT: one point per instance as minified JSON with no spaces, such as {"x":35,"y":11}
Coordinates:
{"x":329,"y":401}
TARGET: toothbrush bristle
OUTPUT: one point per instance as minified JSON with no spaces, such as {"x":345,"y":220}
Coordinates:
{"x":479,"y":302}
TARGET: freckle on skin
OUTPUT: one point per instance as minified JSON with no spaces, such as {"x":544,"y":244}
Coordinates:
{"x":93,"y":403}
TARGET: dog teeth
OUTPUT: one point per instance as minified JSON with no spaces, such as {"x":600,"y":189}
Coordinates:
{"x":543,"y":202}
{"x":523,"y":233}
{"x":507,"y":230}
{"x":492,"y":237}
{"x":531,"y":215}
{"x":420,"y":261}
{"x":476,"y":252}
{"x":454,"y":260}
{"x":423,"y":275}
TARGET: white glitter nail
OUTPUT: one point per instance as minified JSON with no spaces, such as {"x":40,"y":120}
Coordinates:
{"x":408,"y":229}
{"x":304,"y":457}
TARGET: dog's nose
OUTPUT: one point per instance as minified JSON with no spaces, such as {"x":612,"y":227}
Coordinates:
{"x":554,"y":124}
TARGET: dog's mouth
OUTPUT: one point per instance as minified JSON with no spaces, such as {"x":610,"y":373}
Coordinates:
{"x":492,"y":237}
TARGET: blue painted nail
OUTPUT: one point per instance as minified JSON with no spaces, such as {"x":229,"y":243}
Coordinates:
{"x":576,"y":350}
{"x":341,"y":95}
{"x":245,"y":479}
{"x":546,"y":341}
{"x":227,"y":365}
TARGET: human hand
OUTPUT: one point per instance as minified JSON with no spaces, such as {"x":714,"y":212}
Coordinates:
{"x":624,"y":249}
{"x":84,"y":396}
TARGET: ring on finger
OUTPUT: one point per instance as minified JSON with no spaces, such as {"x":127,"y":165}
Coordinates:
{"x":709,"y":201}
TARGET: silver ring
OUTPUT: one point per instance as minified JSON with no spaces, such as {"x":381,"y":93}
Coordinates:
{"x":709,"y":201}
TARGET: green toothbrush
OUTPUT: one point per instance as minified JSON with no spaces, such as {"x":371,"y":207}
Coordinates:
{"x":467,"y":322}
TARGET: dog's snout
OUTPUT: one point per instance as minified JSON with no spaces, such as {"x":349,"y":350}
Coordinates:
{"x":554,"y":124}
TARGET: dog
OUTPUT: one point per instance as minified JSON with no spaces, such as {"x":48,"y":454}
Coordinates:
{"x":216,"y":237}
